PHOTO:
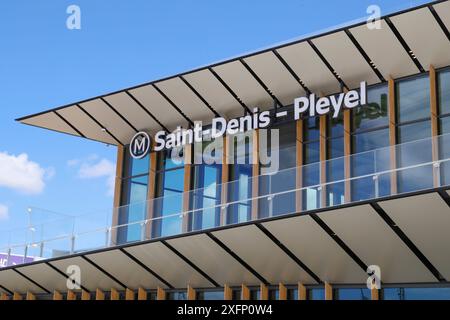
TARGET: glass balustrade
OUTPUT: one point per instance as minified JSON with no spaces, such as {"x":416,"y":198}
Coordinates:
{"x":409,"y":167}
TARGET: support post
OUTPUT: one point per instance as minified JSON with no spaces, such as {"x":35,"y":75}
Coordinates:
{"x":129,"y":294}
{"x":263,"y":292}
{"x":142,"y":294}
{"x":114,"y":294}
{"x":328,"y":291}
{"x":160,"y":294}
{"x":282,"y":292}
{"x":227,"y":293}
{"x":302,"y":294}
{"x":99,"y":295}
{"x":191,"y":294}
{"x":245,"y":291}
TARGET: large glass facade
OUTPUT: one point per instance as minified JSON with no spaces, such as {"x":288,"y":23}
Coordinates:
{"x":168,"y":204}
{"x":413,"y":123}
{"x":133,"y":198}
{"x":370,"y":131}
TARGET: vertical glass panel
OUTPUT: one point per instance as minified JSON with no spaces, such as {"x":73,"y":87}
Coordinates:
{"x":210,"y":295}
{"x":311,"y":129}
{"x":374,"y":114}
{"x":444,"y":91}
{"x":177,"y":295}
{"x":171,"y":158}
{"x":414,"y":131}
{"x":413,"y":98}
{"x":240,"y":185}
{"x":311,"y":175}
{"x":236,"y":294}
{"x":205,"y":197}
{"x":169,"y":203}
{"x":335,"y":126}
{"x":316,"y":294}
{"x":416,"y":293}
{"x":292,"y":294}
{"x":352,"y":294}
{"x":133,"y":167}
{"x":335,"y":171}
{"x":254,"y":294}
{"x":134,"y":195}
{"x":444,"y":125}
{"x":274,"y":294}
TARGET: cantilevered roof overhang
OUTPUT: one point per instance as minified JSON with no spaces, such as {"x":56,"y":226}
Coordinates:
{"x":399,"y":234}
{"x":407,"y":43}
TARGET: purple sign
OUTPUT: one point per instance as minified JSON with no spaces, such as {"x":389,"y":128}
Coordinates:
{"x":14,"y":259}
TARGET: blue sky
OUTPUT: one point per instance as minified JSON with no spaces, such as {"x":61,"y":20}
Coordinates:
{"x":120,"y":44}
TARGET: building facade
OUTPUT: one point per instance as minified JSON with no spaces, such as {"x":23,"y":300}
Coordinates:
{"x":361,"y":189}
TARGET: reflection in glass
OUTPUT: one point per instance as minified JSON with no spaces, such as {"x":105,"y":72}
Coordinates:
{"x":374,"y":114}
{"x":413,"y":99}
{"x":416,"y":293}
{"x":443,"y":83}
{"x":352,"y":294}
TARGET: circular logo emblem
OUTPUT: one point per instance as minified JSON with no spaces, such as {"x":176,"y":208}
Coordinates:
{"x":140,"y":145}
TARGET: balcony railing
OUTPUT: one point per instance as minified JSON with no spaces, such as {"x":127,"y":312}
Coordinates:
{"x":408,"y":167}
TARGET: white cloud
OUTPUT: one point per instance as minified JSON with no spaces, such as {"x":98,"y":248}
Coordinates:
{"x":89,"y":168}
{"x":21,"y":174}
{"x":4,"y":212}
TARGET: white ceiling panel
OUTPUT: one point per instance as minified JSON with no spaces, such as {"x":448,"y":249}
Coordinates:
{"x":47,"y":277}
{"x":185,"y":99}
{"x":215,"y":93}
{"x":240,"y":80}
{"x":345,"y":59}
{"x":309,"y":68}
{"x":168,"y":265}
{"x":375,"y":243}
{"x":91,"y":277}
{"x":424,"y":36}
{"x":86,"y":125}
{"x":443,"y":10}
{"x":109,"y":119}
{"x":50,"y":121}
{"x":13,"y":281}
{"x":159,"y":107}
{"x":264,"y":256}
{"x":214,"y":260}
{"x":314,"y":247}
{"x":127,"y":107}
{"x":125,"y":270}
{"x":276,"y":77}
{"x":385,"y":50}
{"x":427,"y":229}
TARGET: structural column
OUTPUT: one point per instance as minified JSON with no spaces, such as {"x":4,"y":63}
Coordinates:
{"x":99,"y":295}
{"x":117,"y":193}
{"x":160,"y":294}
{"x":245,"y":291}
{"x":434,"y":126}
{"x":142,"y":294}
{"x":263,"y":292}
{"x":227,"y":293}
{"x":301,"y":291}
{"x":328,"y":291}
{"x":191,"y":294}
{"x":392,"y":134}
{"x":375,"y":294}
{"x":282,"y":292}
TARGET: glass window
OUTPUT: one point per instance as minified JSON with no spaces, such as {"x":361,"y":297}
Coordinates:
{"x":292,"y":294}
{"x":443,"y":82}
{"x":283,"y":179}
{"x":414,"y":131}
{"x":352,"y":294}
{"x":374,"y":114}
{"x":240,"y":185}
{"x":254,"y":294}
{"x":413,"y":99}
{"x":176,"y":295}
{"x":168,"y":203}
{"x":274,"y":294}
{"x":335,"y":126}
{"x":133,"y":206}
{"x":311,"y":175}
{"x":316,"y":294}
{"x":210,"y":295}
{"x":416,"y":293}
{"x":335,"y":171}
{"x":311,"y":129}
{"x":205,"y":196}
{"x":444,"y":125}
{"x":236,"y":294}
{"x":370,"y":140}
